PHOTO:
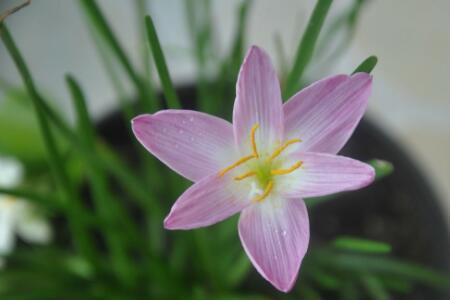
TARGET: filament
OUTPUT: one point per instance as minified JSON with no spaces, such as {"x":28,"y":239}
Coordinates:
{"x":238,"y":163}
{"x":282,"y":148}
{"x":253,"y":140}
{"x":288,"y":170}
{"x":266,"y":193}
{"x":246,"y":175}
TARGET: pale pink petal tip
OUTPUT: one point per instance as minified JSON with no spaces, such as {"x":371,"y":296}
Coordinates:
{"x":207,"y":202}
{"x":192,"y":143}
{"x":275,"y":236}
{"x":326,"y":113}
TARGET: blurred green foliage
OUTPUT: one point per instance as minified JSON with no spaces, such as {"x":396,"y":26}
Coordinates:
{"x":109,"y":214}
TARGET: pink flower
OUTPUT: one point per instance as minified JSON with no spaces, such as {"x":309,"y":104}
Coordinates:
{"x":265,"y":163}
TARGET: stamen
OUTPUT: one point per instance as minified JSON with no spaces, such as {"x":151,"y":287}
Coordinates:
{"x":282,"y":148}
{"x":253,"y":140}
{"x":266,"y":193}
{"x":246,"y":175}
{"x":238,"y":163}
{"x":288,"y":170}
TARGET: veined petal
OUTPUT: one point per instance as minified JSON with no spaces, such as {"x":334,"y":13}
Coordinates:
{"x":323,"y":174}
{"x":258,"y":101}
{"x":207,"y":202}
{"x":325,"y":114}
{"x":191,"y":143}
{"x":275,"y":235}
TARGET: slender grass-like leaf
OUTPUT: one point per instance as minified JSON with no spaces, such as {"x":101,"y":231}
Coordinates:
{"x":160,"y":62}
{"x":79,"y":230}
{"x":367,"y":65}
{"x":384,"y":266}
{"x":349,"y":291}
{"x":146,"y":95}
{"x":361,"y":245}
{"x":102,"y":197}
{"x":324,"y":279}
{"x":198,"y":17}
{"x":237,"y":49}
{"x":306,"y":47}
{"x":374,"y":287}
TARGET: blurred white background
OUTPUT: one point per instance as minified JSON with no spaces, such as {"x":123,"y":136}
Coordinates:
{"x":410,"y":37}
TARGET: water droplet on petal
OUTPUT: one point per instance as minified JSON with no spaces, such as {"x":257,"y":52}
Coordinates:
{"x":191,"y":119}
{"x":180,"y":131}
{"x":284,"y":233}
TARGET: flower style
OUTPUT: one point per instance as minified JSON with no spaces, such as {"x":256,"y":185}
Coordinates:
{"x":17,"y":216}
{"x":265,"y":163}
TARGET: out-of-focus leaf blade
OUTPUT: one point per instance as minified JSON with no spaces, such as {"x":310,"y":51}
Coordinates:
{"x":361,"y":245}
{"x":367,"y":65}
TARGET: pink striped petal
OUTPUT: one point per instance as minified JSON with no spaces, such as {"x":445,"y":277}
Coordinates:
{"x":207,"y":202}
{"x":325,"y":114}
{"x":258,"y":100}
{"x":275,"y":235}
{"x":191,"y":143}
{"x":323,"y":174}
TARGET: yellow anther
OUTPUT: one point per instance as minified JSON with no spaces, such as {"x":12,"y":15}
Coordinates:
{"x":238,"y":163}
{"x":282,"y":148}
{"x":288,"y":170}
{"x":266,"y":193}
{"x":246,"y":175}
{"x":253,"y":140}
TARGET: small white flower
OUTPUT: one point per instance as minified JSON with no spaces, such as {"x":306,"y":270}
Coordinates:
{"x":17,"y":216}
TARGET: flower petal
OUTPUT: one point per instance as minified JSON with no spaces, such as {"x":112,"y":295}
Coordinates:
{"x":207,"y":202}
{"x":191,"y":143}
{"x":258,"y":100}
{"x":7,"y":224}
{"x":325,"y":114}
{"x":12,"y":172}
{"x":275,"y":235}
{"x":31,"y":226}
{"x":323,"y":174}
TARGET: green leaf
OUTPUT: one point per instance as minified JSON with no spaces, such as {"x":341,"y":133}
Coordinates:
{"x":375,"y":288}
{"x":306,"y":47}
{"x":367,"y":65}
{"x":79,"y":231}
{"x":384,"y":266}
{"x":97,"y":18}
{"x":382,"y":168}
{"x":102,"y":196}
{"x":24,"y":141}
{"x":325,"y":279}
{"x":161,"y":66}
{"x":361,"y":245}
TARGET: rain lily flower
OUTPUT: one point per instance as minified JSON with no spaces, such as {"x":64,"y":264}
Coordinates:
{"x":18,"y":216}
{"x":265,"y":163}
